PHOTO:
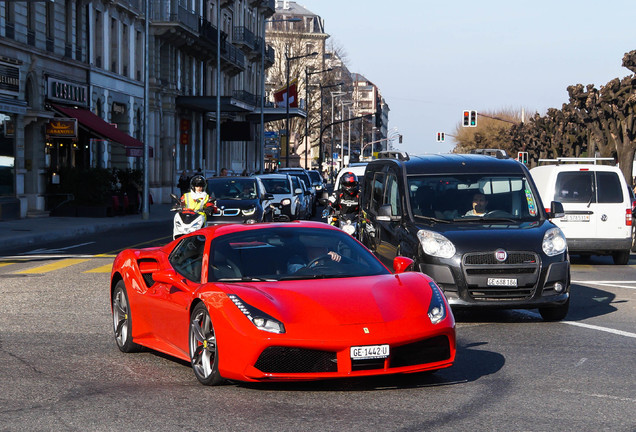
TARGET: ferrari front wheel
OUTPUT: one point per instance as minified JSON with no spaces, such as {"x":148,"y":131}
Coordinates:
{"x":122,"y":321}
{"x":204,"y":354}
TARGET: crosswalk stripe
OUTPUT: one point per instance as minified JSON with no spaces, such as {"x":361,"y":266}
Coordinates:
{"x":52,"y":266}
{"x":103,"y":269}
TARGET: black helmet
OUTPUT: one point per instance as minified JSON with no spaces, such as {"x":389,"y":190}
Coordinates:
{"x":197,"y":180}
{"x":349,"y":182}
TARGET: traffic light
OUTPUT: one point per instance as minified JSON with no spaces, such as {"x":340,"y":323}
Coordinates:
{"x":400,"y":138}
{"x":466,"y":118}
{"x":473,"y":118}
{"x":522,"y":157}
{"x":440,"y":136}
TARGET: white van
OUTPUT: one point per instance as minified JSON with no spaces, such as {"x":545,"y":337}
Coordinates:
{"x":597,"y":204}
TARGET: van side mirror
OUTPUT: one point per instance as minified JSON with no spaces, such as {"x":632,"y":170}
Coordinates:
{"x":324,"y":198}
{"x":556,"y":210}
{"x":267,"y":196}
{"x":385,"y":214}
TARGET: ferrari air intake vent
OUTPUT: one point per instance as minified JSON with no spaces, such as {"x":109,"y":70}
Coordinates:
{"x":425,"y":351}
{"x":147,"y":267}
{"x":296,"y":360}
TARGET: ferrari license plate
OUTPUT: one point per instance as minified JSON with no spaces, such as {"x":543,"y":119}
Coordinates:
{"x":502,"y":282}
{"x":369,"y":352}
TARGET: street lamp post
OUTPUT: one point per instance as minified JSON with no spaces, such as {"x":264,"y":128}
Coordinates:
{"x":307,"y":75}
{"x":342,"y":105}
{"x":287,"y":61}
{"x":320,"y":149}
{"x":262,"y":80}
{"x":333,"y":95}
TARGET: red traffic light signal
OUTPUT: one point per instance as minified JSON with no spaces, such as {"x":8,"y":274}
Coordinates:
{"x":466,"y":118}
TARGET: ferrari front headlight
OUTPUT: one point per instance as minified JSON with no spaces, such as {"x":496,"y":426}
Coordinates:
{"x":435,"y":244}
{"x":260,"y":319}
{"x":437,"y":307}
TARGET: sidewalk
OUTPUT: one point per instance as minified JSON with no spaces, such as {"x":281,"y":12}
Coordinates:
{"x":30,"y":231}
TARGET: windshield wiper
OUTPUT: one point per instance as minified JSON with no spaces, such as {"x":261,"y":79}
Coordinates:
{"x":433,"y":219}
{"x":245,"y":279}
{"x":312,"y":276}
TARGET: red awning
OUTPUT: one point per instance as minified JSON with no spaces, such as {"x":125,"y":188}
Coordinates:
{"x":99,"y":126}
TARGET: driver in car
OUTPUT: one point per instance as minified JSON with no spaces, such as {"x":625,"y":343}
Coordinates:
{"x":297,"y":262}
{"x":479,"y":205}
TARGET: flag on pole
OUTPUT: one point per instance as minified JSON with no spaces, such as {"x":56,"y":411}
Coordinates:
{"x":282,"y":97}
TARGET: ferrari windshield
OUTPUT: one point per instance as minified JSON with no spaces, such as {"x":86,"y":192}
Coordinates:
{"x":473,"y":197}
{"x":227,"y":188}
{"x":286,"y":253}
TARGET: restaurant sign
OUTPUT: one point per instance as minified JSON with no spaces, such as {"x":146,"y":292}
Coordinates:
{"x":62,"y":128}
{"x":64,"y":91}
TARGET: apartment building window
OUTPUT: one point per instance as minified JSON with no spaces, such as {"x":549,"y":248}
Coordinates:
{"x":9,"y":31}
{"x":98,"y":49}
{"x":114,"y":45}
{"x":31,"y":24}
{"x":139,"y":55}
{"x":50,"y":27}
{"x":68,"y":37}
{"x":125,"y":59}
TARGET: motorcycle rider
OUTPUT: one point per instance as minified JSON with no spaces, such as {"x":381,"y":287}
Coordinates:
{"x":346,"y":200}
{"x":198,"y":199}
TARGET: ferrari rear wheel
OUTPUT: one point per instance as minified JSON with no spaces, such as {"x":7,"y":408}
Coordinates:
{"x":122,"y":322}
{"x":203,"y":349}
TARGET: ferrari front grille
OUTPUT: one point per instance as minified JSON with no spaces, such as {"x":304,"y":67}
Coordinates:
{"x":421,"y":352}
{"x":296,"y":360}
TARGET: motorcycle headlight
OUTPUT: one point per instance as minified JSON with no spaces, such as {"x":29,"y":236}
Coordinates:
{"x":437,"y":308}
{"x":249,"y":211}
{"x":349,"y":229}
{"x":554,"y":242}
{"x":260,"y":319}
{"x":435,"y":244}
{"x":286,"y":201}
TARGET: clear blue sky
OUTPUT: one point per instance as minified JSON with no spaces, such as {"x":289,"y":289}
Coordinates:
{"x":433,"y":59}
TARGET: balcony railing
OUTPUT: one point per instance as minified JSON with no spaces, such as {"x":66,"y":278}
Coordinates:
{"x":161,"y":11}
{"x":243,"y":35}
{"x":245,"y":96}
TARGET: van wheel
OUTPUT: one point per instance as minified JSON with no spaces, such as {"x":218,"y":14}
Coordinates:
{"x":621,"y":257}
{"x":555,"y":313}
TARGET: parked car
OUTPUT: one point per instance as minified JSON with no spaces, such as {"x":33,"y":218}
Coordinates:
{"x":428,"y":208}
{"x":597,"y":204}
{"x":239,"y":200}
{"x":270,"y":302}
{"x":289,"y":202}
{"x":302,"y":174}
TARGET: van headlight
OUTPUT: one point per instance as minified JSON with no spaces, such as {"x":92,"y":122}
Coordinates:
{"x":435,"y":244}
{"x":554,"y":242}
{"x":286,"y":201}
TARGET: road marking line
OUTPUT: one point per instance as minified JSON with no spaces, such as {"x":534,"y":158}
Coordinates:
{"x":599,"y":328}
{"x":596,"y":395}
{"x":52,"y":266}
{"x":614,"y":284}
{"x":103,"y":269}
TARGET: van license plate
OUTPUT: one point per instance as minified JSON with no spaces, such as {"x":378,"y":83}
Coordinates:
{"x":502,"y":282}
{"x":576,"y":218}
{"x":369,"y":352}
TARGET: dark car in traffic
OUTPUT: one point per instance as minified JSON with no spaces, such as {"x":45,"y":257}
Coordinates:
{"x":239,"y":200}
{"x":475,"y":224}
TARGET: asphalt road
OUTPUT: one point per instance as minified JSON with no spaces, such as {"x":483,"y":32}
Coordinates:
{"x":61,"y":370}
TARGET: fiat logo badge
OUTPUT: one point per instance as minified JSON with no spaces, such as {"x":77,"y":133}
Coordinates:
{"x":501,"y":255}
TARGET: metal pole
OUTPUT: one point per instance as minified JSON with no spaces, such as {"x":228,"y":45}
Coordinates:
{"x":145,"y":212}
{"x":306,"y":115}
{"x":218,"y":88}
{"x":262,"y":104}
{"x":349,"y":138}
{"x":287,"y":113}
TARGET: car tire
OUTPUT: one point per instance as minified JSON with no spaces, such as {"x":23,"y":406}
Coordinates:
{"x":621,"y":257}
{"x":555,"y":313}
{"x":204,"y":352}
{"x":122,"y":319}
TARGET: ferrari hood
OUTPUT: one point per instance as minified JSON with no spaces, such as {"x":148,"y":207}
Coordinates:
{"x":361,"y":300}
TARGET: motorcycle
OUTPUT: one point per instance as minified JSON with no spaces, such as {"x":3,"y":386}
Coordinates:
{"x":348,"y":222}
{"x":185,"y":219}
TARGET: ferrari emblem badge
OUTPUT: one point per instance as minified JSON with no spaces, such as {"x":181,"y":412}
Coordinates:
{"x":366,"y":330}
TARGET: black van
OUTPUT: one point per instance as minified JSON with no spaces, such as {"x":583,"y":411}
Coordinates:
{"x":430,"y":208}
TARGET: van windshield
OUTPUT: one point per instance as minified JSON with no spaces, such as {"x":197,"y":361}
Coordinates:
{"x":473,"y":197}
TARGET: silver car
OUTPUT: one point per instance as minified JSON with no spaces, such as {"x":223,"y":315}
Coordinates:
{"x":290,"y":198}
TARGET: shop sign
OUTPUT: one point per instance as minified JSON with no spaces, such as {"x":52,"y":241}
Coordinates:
{"x":118,"y":108}
{"x":138,"y":152}
{"x":64,"y":91}
{"x":62,"y":128}
{"x":9,"y":79}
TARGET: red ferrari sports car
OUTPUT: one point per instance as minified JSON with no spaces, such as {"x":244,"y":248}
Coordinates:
{"x":279,"y":301}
